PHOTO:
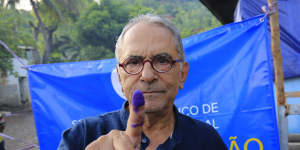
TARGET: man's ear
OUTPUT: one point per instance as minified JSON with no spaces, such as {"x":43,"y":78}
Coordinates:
{"x":183,"y":74}
{"x":119,"y":78}
{"x":117,"y":68}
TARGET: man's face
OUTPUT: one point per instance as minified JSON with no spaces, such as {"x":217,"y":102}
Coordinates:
{"x":160,"y":89}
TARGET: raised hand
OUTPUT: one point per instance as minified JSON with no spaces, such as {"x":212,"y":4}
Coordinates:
{"x":129,"y":139}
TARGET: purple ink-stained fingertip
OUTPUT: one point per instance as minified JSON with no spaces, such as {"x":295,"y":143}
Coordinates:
{"x":137,"y":125}
{"x":137,"y":100}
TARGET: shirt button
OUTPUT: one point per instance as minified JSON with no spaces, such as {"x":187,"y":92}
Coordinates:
{"x":144,"y":140}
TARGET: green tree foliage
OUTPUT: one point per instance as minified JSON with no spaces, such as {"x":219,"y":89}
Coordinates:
{"x":62,"y":14}
{"x":189,"y":16}
{"x":100,"y":24}
{"x":76,"y":30}
{"x":53,"y":27}
{"x":98,"y":27}
{"x":14,"y":33}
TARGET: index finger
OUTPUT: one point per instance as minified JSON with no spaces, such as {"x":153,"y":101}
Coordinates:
{"x":136,"y":117}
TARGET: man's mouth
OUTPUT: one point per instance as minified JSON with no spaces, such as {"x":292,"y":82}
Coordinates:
{"x":153,"y":92}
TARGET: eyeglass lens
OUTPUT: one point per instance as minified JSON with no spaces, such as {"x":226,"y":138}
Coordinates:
{"x":160,"y":63}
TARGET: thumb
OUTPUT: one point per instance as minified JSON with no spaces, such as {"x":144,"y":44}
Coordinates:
{"x":136,"y":118}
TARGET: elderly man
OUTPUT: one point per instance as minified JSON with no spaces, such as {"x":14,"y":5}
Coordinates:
{"x":151,"y":62}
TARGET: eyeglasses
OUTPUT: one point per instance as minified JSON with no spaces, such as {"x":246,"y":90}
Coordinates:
{"x":135,"y":64}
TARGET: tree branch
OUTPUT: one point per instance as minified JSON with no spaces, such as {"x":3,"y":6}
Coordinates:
{"x":40,"y":23}
{"x":36,"y":30}
{"x":47,"y":37}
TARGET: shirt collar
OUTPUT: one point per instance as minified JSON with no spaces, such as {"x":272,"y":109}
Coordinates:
{"x":177,"y":135}
{"x":124,"y":114}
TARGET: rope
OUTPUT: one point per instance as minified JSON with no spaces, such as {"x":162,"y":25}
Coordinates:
{"x":21,"y":141}
{"x":272,"y":8}
{"x":12,"y":53}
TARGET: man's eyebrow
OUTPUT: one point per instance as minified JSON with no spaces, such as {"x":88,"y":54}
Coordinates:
{"x":161,"y":55}
{"x":154,"y":56}
{"x":132,"y":57}
{"x":135,"y":56}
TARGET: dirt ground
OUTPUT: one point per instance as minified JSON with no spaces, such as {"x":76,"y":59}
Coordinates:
{"x":20,"y":125}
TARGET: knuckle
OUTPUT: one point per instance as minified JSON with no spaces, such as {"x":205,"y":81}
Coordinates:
{"x":99,"y":143}
{"x":113,"y":132}
{"x":102,"y":138}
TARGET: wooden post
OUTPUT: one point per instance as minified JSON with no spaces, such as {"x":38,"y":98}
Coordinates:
{"x":277,"y":59}
{"x":279,"y":79}
{"x":292,"y":94}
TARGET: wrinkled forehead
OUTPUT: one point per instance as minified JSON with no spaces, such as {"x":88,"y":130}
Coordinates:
{"x":148,"y":40}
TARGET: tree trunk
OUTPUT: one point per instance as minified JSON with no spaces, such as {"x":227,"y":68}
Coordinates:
{"x":48,"y":45}
{"x":36,"y":30}
{"x":47,"y":34}
{"x":35,"y":53}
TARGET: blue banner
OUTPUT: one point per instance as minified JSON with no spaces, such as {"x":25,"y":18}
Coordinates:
{"x":229,"y":86}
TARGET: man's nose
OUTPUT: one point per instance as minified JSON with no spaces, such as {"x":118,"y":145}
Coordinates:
{"x":148,"y":73}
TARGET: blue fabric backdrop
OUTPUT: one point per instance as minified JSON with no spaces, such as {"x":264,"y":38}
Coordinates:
{"x":229,"y":86}
{"x":289,"y":21}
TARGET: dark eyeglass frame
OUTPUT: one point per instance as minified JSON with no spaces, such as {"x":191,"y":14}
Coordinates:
{"x":150,"y":61}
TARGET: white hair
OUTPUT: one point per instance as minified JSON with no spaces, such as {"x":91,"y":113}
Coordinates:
{"x":155,"y":19}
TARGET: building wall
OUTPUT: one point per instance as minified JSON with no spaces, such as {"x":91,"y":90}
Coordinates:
{"x":292,"y":85}
{"x":14,"y":90}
